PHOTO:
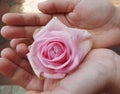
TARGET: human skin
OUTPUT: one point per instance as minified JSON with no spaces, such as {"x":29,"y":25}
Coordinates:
{"x":99,"y":72}
{"x":105,"y":34}
{"x":57,"y":49}
{"x":102,"y":20}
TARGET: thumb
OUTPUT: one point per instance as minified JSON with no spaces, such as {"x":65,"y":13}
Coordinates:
{"x":57,"y":6}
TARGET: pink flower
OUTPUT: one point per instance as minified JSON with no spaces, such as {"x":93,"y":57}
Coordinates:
{"x":57,"y":50}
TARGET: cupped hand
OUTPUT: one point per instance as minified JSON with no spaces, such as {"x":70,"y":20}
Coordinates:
{"x":98,"y":73}
{"x":100,"y":17}
{"x":18,"y":70}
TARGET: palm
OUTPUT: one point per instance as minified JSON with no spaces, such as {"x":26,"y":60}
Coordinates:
{"x":94,"y":15}
{"x":90,"y":78}
{"x":97,"y":19}
{"x":54,"y":86}
{"x":100,"y":33}
{"x":22,"y":74}
{"x":93,"y":74}
{"x":62,"y":86}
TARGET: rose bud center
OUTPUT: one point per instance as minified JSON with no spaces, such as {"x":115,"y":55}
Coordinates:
{"x":54,"y":50}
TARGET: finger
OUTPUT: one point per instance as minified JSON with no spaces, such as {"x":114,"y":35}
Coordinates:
{"x":11,"y":32}
{"x":37,"y":30}
{"x":57,"y":6}
{"x":22,"y":52}
{"x":13,"y":57}
{"x":15,"y":42}
{"x":20,"y":76}
{"x":26,"y":19}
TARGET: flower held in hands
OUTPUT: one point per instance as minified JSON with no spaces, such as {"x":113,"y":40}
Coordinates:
{"x":58,"y":50}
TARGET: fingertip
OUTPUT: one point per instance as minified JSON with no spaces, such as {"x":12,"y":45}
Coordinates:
{"x":5,"y":52}
{"x":13,"y":43}
{"x":51,"y":6}
{"x":22,"y":49}
{"x":41,"y":5}
{"x":7,"y":16}
{"x":7,"y":32}
{"x":4,"y":17}
{"x":10,"y":18}
{"x":57,"y":6}
{"x":4,"y":32}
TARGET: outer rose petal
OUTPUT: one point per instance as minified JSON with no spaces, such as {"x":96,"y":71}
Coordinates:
{"x":84,"y":48}
{"x":78,"y":40}
{"x":56,"y":25}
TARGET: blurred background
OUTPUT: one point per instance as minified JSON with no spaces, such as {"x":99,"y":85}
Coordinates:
{"x":19,"y":6}
{"x":22,"y":6}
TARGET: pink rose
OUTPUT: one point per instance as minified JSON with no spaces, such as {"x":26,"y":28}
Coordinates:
{"x":57,"y":50}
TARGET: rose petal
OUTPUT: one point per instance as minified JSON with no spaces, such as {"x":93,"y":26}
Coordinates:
{"x":44,"y":60}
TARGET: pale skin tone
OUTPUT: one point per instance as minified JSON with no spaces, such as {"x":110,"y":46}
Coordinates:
{"x":100,"y":70}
